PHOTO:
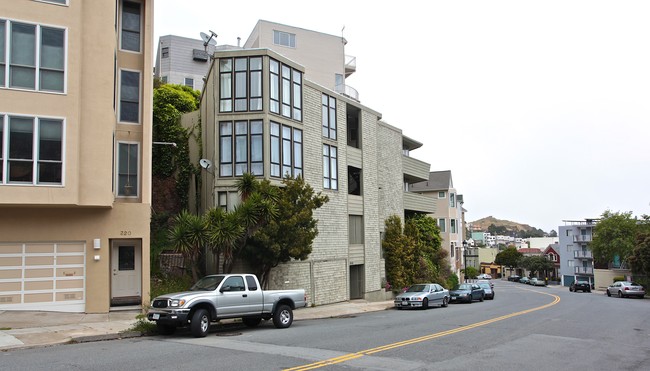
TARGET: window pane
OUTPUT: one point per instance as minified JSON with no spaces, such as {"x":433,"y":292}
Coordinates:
{"x":2,"y":65}
{"x":297,"y":155}
{"x":225,"y":65}
{"x":49,"y":147}
{"x":22,"y":77}
{"x":275,"y":150}
{"x":256,"y":84}
{"x":240,"y":85}
{"x":256,"y":104}
{"x":51,"y":80}
{"x":275,"y":87}
{"x":226,"y":86}
{"x":49,"y":172}
{"x":130,"y":96}
{"x":241,"y":150}
{"x":21,"y":143}
{"x":255,"y":64}
{"x":52,"y":50}
{"x":131,"y":26}
{"x":23,"y":44}
{"x":226,"y":150}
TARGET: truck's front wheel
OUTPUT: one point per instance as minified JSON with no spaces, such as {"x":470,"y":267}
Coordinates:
{"x":200,"y":323}
{"x":283,"y":316}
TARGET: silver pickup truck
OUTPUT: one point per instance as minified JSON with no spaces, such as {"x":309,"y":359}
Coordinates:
{"x":222,"y":296}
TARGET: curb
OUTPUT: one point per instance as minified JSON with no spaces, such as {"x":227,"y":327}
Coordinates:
{"x":104,"y":337}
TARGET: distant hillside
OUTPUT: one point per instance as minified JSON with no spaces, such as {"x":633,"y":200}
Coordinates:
{"x":505,"y":227}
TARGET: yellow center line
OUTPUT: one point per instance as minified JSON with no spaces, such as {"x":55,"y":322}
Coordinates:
{"x":351,"y":356}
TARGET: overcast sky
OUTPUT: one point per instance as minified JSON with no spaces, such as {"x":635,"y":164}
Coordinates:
{"x":540,"y":109}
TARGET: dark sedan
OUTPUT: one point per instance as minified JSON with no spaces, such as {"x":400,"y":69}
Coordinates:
{"x":489,"y":290}
{"x":467,"y":292}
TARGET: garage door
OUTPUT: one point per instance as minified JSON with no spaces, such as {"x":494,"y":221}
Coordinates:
{"x":42,"y":276}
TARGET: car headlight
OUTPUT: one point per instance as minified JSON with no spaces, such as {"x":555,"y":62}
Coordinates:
{"x":177,"y":302}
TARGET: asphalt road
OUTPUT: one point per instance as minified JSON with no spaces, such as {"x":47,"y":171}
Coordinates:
{"x":524,"y":328}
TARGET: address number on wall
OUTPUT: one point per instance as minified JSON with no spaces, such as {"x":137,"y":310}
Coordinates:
{"x":125,"y":233}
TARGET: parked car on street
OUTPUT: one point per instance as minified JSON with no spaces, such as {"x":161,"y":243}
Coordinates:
{"x":537,"y":282}
{"x":485,"y":281}
{"x":222,"y":296}
{"x":484,"y":276}
{"x":525,"y":280}
{"x":580,"y":284}
{"x":624,"y":289}
{"x":514,"y":278}
{"x":423,"y":295}
{"x":488,"y":288}
{"x":467,"y":292}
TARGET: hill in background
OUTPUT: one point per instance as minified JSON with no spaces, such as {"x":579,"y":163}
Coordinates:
{"x":505,"y":227}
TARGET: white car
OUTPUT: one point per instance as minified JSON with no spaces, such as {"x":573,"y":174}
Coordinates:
{"x":484,"y":276}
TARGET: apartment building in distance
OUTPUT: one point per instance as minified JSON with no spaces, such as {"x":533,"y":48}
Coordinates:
{"x":576,"y":259}
{"x":279,"y":106}
{"x":75,"y":145}
{"x":183,"y":61}
{"x":449,"y":213}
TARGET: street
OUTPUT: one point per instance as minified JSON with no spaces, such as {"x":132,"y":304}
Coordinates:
{"x":524,"y":328}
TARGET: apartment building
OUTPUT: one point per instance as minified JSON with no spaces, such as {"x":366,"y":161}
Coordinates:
{"x":183,"y":61}
{"x":449,"y":213}
{"x":576,"y":259}
{"x":75,"y":145}
{"x":272,"y":108}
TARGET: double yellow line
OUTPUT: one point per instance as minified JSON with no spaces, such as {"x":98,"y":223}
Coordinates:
{"x":367,"y":352}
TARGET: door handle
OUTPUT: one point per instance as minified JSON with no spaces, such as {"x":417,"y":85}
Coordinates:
{"x":245,"y":295}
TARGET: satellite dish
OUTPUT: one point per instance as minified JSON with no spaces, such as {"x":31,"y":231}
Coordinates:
{"x":206,"y":164}
{"x":209,"y":40}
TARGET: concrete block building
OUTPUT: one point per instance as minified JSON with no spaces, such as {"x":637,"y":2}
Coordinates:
{"x":75,"y":145}
{"x":280,"y":105}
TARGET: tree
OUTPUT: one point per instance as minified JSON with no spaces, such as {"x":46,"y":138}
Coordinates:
{"x":614,"y":235}
{"x":552,"y":233}
{"x":188,"y":236}
{"x":470,"y":272}
{"x":398,"y":253}
{"x":536,"y":264}
{"x":290,"y":234}
{"x":640,"y":258}
{"x":509,"y":257}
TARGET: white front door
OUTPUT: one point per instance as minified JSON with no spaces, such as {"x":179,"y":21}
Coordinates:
{"x":126,"y":272}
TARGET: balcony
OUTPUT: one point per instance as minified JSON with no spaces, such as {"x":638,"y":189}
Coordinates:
{"x":583,"y":255}
{"x":419,"y":203}
{"x":348,"y":91}
{"x":350,"y":65}
{"x":582,"y":238}
{"x":583,"y":270}
{"x":415,"y":170}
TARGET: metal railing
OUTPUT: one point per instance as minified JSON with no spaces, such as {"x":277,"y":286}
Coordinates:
{"x":582,"y":238}
{"x":583,"y":270}
{"x":583,"y":255}
{"x":348,"y":91}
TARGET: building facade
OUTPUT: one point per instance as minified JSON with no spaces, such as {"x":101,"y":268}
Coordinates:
{"x":449,"y":213}
{"x":262,"y":113}
{"x":183,"y":61}
{"x":75,"y":145}
{"x":576,"y":259}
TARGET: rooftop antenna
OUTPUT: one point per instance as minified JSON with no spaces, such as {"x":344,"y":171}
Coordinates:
{"x":209,"y":40}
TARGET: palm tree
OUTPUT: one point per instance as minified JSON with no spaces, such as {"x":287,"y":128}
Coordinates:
{"x":224,"y":231}
{"x":188,"y":235}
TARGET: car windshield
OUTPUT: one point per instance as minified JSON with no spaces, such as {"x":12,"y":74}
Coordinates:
{"x":416,"y":288}
{"x":464,"y":286}
{"x":207,"y":283}
{"x":485,"y":286}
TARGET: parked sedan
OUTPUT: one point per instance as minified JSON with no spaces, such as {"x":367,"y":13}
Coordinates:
{"x":422,"y":296}
{"x":467,"y":292}
{"x":484,"y":276}
{"x":624,"y":289}
{"x":524,"y":280}
{"x":514,"y":278}
{"x":537,"y":282}
{"x":489,"y":290}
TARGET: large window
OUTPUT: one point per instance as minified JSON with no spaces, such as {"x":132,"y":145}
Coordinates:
{"x":442,"y":224}
{"x":329,"y":116}
{"x":36,"y":56}
{"x":127,"y":170}
{"x":284,"y":38}
{"x":34,"y":151}
{"x":241,"y":148}
{"x":130,"y":96}
{"x":452,"y":200}
{"x":452,"y":226}
{"x":286,"y":151}
{"x":286,"y":90}
{"x":330,"y":172}
{"x":131,"y":26}
{"x":243,"y":82}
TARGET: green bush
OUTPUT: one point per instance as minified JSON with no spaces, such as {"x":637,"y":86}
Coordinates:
{"x":165,"y":283}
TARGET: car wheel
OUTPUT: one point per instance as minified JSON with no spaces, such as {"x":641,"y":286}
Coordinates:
{"x":252,"y":321}
{"x":425,"y":304}
{"x":609,"y":293}
{"x":620,"y":294}
{"x":200,"y":323}
{"x":165,"y":329}
{"x":445,"y":302}
{"x":570,"y":289}
{"x":283,"y":316}
{"x":481,"y":298}
{"x":588,"y":290}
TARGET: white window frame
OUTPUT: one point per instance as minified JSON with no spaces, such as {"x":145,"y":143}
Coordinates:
{"x":54,"y":2}
{"x":443,"y":229}
{"x":291,"y":38}
{"x":442,"y":194}
{"x":119,"y":100}
{"x":4,"y":156}
{"x":185,"y":82}
{"x":37,"y":56}
{"x":117,"y":170}
{"x":331,"y":178}
{"x":139,"y":51}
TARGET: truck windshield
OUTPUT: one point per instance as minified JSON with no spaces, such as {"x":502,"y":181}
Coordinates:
{"x":207,"y":283}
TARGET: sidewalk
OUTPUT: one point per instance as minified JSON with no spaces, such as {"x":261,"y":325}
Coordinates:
{"x":34,"y":329}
